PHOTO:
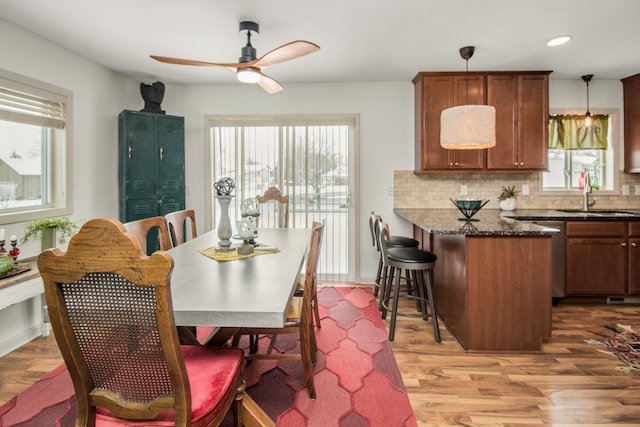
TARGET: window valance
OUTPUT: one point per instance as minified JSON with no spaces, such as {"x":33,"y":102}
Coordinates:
{"x":568,"y":132}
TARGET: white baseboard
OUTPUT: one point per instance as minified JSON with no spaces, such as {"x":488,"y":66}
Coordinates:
{"x":19,"y":340}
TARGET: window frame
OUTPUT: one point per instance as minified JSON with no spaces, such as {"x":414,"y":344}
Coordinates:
{"x":60,"y":151}
{"x":614,"y":145}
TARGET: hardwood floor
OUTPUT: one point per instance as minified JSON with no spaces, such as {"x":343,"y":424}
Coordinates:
{"x":571,"y":382}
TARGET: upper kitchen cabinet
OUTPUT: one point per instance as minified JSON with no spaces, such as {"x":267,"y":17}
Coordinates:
{"x":522,"y":114}
{"x":631,"y":93}
{"x":436,"y":92}
{"x":522,"y":120}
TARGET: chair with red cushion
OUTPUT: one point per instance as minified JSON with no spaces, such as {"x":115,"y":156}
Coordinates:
{"x":111,"y":314}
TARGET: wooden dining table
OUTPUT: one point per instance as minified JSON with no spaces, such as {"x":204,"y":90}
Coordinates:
{"x":250,"y":292}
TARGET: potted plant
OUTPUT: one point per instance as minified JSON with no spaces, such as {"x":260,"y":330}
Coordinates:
{"x":508,"y":197}
{"x":46,"y":229}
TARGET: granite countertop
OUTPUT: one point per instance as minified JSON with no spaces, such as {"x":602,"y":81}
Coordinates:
{"x":489,"y":222}
{"x":506,"y":223}
{"x":557,"y":215}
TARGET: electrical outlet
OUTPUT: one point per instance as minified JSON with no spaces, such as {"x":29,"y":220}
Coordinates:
{"x":463,"y":190}
{"x":390,"y":191}
{"x":525,"y":189}
{"x":625,"y":190}
{"x":637,"y":189}
{"x":187,"y":190}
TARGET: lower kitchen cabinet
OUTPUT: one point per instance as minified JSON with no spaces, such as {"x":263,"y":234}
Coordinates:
{"x":634,"y":258}
{"x":597,"y":258}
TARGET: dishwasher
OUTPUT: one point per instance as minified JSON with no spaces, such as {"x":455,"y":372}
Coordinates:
{"x":558,"y":256}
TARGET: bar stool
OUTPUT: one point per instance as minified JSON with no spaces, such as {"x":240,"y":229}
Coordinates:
{"x":418,"y":265}
{"x":391,"y":242}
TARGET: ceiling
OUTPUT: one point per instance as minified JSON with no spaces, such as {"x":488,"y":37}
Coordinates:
{"x":360,"y":40}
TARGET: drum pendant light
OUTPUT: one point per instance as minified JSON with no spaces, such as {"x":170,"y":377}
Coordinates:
{"x":588,"y":118}
{"x":468,"y":127}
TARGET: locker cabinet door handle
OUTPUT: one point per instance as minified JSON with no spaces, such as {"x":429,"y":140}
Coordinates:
{"x":161,"y":153}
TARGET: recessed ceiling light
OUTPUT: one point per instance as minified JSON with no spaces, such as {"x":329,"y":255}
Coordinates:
{"x":560,"y":40}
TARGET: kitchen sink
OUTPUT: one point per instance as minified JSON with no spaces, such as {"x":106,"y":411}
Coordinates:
{"x":600,"y":212}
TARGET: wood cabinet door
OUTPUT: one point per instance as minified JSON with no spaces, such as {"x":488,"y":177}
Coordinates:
{"x":596,"y":266}
{"x":502,"y":93}
{"x":522,"y":120}
{"x":634,"y":266}
{"x":631,"y":93}
{"x":533,"y":121}
{"x":437,"y":93}
{"x":468,"y":90}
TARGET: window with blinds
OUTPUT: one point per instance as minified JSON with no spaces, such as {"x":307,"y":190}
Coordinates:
{"x":310,"y":160}
{"x":33,"y":148}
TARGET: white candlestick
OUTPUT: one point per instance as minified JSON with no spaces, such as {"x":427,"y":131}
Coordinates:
{"x":14,"y":238}
{"x":1,"y":233}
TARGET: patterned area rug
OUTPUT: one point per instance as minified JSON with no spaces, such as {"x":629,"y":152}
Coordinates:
{"x":357,"y":380}
{"x":625,"y":344}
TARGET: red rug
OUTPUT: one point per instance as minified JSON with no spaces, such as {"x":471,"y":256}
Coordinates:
{"x":357,"y":380}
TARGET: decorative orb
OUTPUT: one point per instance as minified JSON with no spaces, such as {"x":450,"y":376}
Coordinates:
{"x":250,"y":207}
{"x":247,"y":228}
{"x":224,"y":187}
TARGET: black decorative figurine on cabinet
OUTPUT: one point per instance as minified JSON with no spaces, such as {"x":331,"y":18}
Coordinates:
{"x":152,"y":95}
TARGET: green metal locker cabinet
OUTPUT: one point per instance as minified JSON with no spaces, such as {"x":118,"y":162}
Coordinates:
{"x":151,"y":166}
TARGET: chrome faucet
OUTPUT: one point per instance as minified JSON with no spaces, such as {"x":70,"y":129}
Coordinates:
{"x":586,"y":204}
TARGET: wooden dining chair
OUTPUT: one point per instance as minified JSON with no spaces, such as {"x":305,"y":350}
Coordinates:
{"x":111,"y":313}
{"x":274,"y":209}
{"x":178,"y":222}
{"x":299,"y":292}
{"x":299,"y":320}
{"x":148,"y":230}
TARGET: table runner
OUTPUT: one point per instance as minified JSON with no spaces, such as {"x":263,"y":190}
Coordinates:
{"x":233,"y":255}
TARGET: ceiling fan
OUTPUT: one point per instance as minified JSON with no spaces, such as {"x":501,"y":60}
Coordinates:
{"x":249,"y":68}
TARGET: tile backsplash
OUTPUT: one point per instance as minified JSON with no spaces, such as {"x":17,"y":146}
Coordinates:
{"x":432,"y":191}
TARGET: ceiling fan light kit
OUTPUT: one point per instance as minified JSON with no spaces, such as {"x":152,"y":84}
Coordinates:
{"x":248,"y":69}
{"x":248,"y":75}
{"x":468,"y":127}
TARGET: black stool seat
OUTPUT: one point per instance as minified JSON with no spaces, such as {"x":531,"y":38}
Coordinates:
{"x":418,"y":266}
{"x":411,"y":255}
{"x":402,"y":242}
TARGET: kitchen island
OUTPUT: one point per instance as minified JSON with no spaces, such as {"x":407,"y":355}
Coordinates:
{"x":492,"y":279}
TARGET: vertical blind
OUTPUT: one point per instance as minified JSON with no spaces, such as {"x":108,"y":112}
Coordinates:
{"x":308,"y":162}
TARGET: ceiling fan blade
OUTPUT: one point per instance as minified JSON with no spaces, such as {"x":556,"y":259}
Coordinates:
{"x":179,"y":61}
{"x":269,"y":85}
{"x":286,"y":52}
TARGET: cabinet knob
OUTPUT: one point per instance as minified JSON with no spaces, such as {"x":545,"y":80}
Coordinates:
{"x":161,"y":153}
{"x":633,"y":245}
{"x":515,"y":164}
{"x":521,"y":163}
{"x":623,"y":244}
{"x":129,"y":151}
